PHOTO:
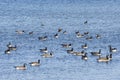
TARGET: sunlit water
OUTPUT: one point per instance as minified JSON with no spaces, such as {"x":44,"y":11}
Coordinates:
{"x":44,"y":17}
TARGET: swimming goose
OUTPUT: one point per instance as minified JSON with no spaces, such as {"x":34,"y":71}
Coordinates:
{"x":77,"y":32}
{"x":9,"y":45}
{"x":64,"y":32}
{"x":79,"y":53}
{"x":85,"y":46}
{"x":43,"y":38}
{"x":13,"y":48}
{"x":56,"y":36}
{"x":70,"y":51}
{"x":47,"y":55}
{"x":20,"y":31}
{"x":35,"y":63}
{"x":84,"y":57}
{"x":85,"y":33}
{"x":98,"y":36}
{"x":112,"y":49}
{"x":59,"y":30}
{"x":8,"y":51}
{"x":89,"y":38}
{"x":44,"y":50}
{"x":103,"y":59}
{"x":96,"y":53}
{"x":85,"y":22}
{"x":79,"y":35}
{"x":21,"y":67}
{"x":66,"y":45}
{"x":30,"y":33}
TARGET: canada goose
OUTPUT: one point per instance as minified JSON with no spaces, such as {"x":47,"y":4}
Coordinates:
{"x":79,"y":53}
{"x":70,"y":51}
{"x":21,"y":67}
{"x":13,"y":48}
{"x":59,"y":30}
{"x":98,"y":36}
{"x":64,"y":32}
{"x":47,"y":55}
{"x":56,"y":36}
{"x":66,"y":45}
{"x":85,"y":33}
{"x":112,"y":49}
{"x":44,"y":50}
{"x":84,"y":57}
{"x":85,"y":22}
{"x":30,"y":33}
{"x":35,"y":63}
{"x":96,"y":53}
{"x":85,"y":46}
{"x":8,"y":51}
{"x":79,"y":35}
{"x":20,"y":31}
{"x":77,"y":32}
{"x":43,"y":38}
{"x":89,"y":38}
{"x":9,"y":45}
{"x":103,"y":59}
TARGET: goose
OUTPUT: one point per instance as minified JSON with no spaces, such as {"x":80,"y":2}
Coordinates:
{"x":13,"y":48}
{"x":21,"y":67}
{"x":79,"y":35}
{"x":66,"y":45}
{"x":56,"y":36}
{"x":103,"y":59}
{"x":96,"y":53}
{"x":98,"y":36}
{"x":85,"y":46}
{"x":112,"y":49}
{"x":85,"y":22}
{"x":77,"y":32}
{"x":70,"y":51}
{"x":59,"y":30}
{"x":43,"y":38}
{"x":84,"y":57}
{"x":20,"y":31}
{"x":35,"y":63}
{"x":8,"y":51}
{"x":79,"y":53}
{"x":64,"y":32}
{"x":47,"y":55}
{"x":89,"y":38}
{"x":44,"y":50}
{"x":30,"y":33}
{"x":86,"y":33}
{"x":9,"y":45}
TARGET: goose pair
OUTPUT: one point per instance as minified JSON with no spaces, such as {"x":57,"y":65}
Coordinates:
{"x":24,"y":67}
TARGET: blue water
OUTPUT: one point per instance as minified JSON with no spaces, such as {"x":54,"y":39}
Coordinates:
{"x":103,"y":18}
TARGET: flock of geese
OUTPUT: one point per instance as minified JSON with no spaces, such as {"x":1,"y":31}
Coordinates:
{"x":47,"y":54}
